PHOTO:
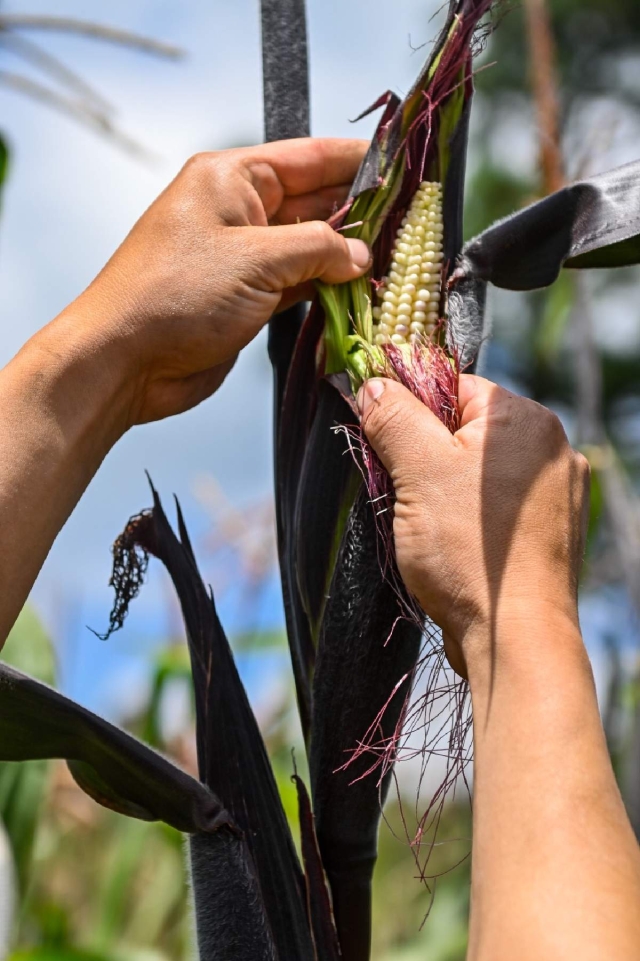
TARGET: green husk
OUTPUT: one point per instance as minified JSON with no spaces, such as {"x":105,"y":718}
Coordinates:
{"x":348,"y":307}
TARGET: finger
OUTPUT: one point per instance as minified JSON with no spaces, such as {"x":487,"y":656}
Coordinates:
{"x":319,"y":205}
{"x":308,"y":163}
{"x":293,"y":168}
{"x":281,"y":257}
{"x":402,"y":431}
{"x":478,"y":396}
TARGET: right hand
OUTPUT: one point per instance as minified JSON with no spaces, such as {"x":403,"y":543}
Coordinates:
{"x":489,"y":522}
{"x":238,"y":235}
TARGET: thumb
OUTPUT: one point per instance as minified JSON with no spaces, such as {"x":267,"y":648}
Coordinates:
{"x":294,"y":254}
{"x":401,"y":430}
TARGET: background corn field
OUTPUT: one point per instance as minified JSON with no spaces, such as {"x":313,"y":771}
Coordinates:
{"x":90,"y":885}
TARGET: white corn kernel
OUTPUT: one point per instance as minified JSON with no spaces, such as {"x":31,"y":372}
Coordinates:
{"x":409,"y":297}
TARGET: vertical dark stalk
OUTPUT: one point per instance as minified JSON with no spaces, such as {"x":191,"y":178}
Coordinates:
{"x":285,"y":77}
{"x":285,"y":71}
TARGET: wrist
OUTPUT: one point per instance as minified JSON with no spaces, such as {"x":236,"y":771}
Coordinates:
{"x":83,"y":375}
{"x":525,"y":638}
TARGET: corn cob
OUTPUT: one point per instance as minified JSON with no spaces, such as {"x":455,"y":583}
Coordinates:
{"x":409,"y":297}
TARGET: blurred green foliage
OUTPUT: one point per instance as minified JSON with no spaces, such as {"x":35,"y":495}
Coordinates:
{"x":22,"y":785}
{"x":4,"y":160}
{"x":99,"y":887}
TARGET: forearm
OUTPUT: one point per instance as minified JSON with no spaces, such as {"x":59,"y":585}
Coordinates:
{"x":62,"y":406}
{"x":556,"y":869}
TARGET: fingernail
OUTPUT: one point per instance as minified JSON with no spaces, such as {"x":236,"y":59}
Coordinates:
{"x":360,"y":253}
{"x":368,"y":393}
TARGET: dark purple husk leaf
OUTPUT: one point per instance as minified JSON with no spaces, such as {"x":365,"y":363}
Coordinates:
{"x":114,"y":768}
{"x":294,"y":423}
{"x":366,"y":648}
{"x":231,"y":752}
{"x":231,"y":922}
{"x":126,"y":776}
{"x":325,"y":938}
{"x":329,"y":481}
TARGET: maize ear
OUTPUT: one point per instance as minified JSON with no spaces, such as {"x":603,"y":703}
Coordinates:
{"x":408,"y":299}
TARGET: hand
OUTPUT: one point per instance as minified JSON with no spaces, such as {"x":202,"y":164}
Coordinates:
{"x":490,"y":522}
{"x":236,"y":236}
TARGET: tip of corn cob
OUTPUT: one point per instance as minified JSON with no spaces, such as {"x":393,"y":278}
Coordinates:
{"x":408,"y":299}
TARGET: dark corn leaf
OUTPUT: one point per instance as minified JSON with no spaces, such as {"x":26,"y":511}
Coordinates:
{"x":295,"y":420}
{"x":329,"y":482}
{"x":230,"y":918}
{"x":592,"y":223}
{"x":362,"y":655}
{"x":231,"y":753}
{"x":111,"y":766}
{"x":368,"y":176}
{"x":284,"y":329}
{"x":453,"y":196}
{"x":466,"y":324}
{"x":624,"y":253}
{"x":325,"y":938}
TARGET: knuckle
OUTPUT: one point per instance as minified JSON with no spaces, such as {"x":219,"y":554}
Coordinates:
{"x":582,"y":465}
{"x":545,"y":425}
{"x":202,"y":165}
{"x":321,"y":234}
{"x":552,"y":423}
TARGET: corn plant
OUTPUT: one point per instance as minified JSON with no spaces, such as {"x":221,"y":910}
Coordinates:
{"x":355,"y":635}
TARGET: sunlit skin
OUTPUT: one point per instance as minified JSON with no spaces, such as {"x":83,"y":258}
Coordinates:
{"x":159,"y":329}
{"x":489,"y":523}
{"x":489,"y":531}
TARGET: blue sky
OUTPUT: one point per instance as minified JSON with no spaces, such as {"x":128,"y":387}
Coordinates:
{"x":70,"y":201}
